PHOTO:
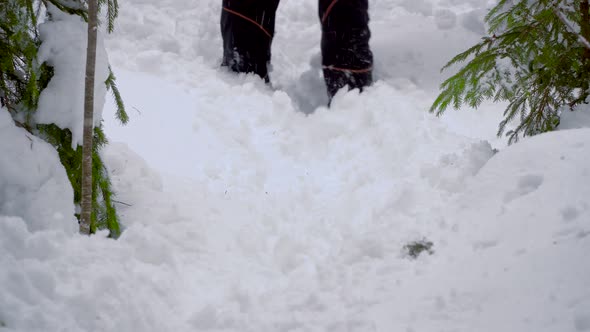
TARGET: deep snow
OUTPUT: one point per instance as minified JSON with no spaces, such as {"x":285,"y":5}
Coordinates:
{"x":248,"y":208}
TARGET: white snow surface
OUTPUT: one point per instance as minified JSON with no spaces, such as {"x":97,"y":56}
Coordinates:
{"x":33,"y":183}
{"x":250,"y":208}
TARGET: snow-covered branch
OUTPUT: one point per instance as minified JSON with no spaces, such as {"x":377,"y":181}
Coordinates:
{"x":565,"y":21}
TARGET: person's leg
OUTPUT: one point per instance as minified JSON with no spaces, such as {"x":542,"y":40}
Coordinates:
{"x":247,"y":28}
{"x":346,"y":57}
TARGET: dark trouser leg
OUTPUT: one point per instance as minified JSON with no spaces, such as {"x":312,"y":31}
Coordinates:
{"x":247,"y":28}
{"x":346,"y":56}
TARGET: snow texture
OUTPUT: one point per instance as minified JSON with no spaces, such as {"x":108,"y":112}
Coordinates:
{"x":33,"y":183}
{"x":251,"y":208}
{"x":63,"y":47}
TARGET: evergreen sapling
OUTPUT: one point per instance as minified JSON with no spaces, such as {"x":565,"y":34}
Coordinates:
{"x":534,"y":58}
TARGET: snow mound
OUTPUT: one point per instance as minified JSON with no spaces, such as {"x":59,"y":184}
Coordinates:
{"x":508,"y":253}
{"x":52,"y":281}
{"x":541,"y":183}
{"x":33,"y":183}
{"x":526,"y":216}
{"x":512,"y":254}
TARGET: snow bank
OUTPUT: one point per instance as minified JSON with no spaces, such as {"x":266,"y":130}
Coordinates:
{"x":509,"y":250}
{"x":517,"y":258}
{"x":33,"y":183}
{"x":52,"y":281}
{"x":64,"y":42}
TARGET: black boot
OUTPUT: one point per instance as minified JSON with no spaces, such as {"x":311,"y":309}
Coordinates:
{"x":247,"y":28}
{"x":346,"y":57}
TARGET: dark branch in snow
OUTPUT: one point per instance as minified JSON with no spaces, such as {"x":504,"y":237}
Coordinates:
{"x":123,"y":203}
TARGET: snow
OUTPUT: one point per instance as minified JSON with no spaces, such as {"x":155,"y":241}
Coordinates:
{"x":64,"y":48}
{"x":535,"y":187}
{"x":256,"y":208}
{"x":580,"y":118}
{"x":33,"y":183}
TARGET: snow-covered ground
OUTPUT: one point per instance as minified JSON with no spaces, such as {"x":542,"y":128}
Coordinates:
{"x":249,"y":208}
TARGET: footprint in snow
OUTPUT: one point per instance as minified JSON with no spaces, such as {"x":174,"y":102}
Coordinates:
{"x":526,"y":184}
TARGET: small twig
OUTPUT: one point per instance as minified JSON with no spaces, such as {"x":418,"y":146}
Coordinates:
{"x":135,"y":108}
{"x":119,"y":202}
{"x":31,"y":140}
{"x":563,"y":19}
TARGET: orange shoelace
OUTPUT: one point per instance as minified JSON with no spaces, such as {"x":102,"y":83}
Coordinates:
{"x":328,"y":10}
{"x":249,"y":20}
{"x":348,"y":70}
{"x":354,"y":71}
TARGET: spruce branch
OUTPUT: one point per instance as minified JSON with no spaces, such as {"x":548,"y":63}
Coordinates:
{"x":111,"y":84}
{"x":531,"y":59}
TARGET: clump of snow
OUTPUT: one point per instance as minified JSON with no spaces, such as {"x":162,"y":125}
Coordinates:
{"x":63,"y":47}
{"x":450,"y":171}
{"x":33,"y":183}
{"x":44,"y":287}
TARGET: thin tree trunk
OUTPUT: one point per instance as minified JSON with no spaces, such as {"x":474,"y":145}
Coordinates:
{"x":585,"y":32}
{"x":585,"y":25}
{"x":86,"y":204}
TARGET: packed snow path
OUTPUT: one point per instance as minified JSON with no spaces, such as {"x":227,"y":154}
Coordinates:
{"x":243,"y":212}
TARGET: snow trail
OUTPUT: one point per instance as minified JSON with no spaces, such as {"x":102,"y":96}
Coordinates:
{"x":246,"y":211}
